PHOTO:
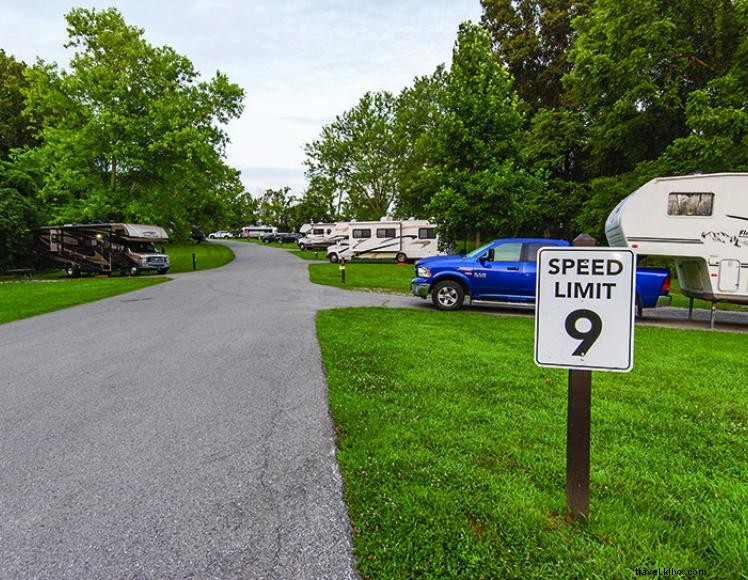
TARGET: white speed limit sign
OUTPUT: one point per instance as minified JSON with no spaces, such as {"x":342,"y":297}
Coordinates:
{"x":584,"y":314}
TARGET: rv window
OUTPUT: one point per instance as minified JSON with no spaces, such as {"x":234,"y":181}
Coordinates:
{"x":690,"y":204}
{"x":362,"y":233}
{"x":318,"y":232}
{"x":386,"y":233}
{"x":426,"y":233}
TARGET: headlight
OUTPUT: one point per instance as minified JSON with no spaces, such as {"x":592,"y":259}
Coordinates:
{"x":423,"y":272}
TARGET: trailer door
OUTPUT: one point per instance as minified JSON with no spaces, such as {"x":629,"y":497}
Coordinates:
{"x":55,"y":238}
{"x":729,"y":275}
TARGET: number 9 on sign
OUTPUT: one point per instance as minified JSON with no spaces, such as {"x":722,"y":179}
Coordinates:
{"x":587,"y":337}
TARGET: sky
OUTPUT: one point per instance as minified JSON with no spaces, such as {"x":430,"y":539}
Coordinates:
{"x":300,"y":62}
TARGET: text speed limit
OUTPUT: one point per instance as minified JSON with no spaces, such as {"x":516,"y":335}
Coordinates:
{"x":584,"y":316}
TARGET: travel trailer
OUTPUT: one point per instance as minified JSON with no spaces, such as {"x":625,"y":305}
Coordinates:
{"x":257,"y":231}
{"x":401,"y":240}
{"x":316,"y":236}
{"x":701,"y":221}
{"x":103,"y":248}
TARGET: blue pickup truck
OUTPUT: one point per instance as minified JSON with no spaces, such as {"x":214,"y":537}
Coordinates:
{"x":505,"y":270}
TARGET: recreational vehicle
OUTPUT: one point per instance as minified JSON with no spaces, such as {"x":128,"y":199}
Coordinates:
{"x":103,"y":248}
{"x":317,"y":236}
{"x":701,"y":221}
{"x":401,"y":240}
{"x":257,"y":231}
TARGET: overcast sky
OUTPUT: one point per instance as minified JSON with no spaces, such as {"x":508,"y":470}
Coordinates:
{"x":301,"y":62}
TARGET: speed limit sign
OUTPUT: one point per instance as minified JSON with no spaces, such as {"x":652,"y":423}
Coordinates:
{"x":584,"y":315}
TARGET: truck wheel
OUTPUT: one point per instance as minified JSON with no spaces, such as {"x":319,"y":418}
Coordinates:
{"x":133,"y":271}
{"x":333,"y":258}
{"x":401,"y":258}
{"x":639,"y":308}
{"x":72,"y":272}
{"x":448,"y":295}
{"x":302,"y":247}
{"x":163,"y":271}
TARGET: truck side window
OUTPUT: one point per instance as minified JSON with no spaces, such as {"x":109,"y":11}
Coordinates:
{"x":509,"y":252}
{"x":531,"y":251}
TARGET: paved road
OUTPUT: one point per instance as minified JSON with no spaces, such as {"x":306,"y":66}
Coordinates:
{"x":181,"y":430}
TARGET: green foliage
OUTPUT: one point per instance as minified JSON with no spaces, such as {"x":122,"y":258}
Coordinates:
{"x":476,"y":142}
{"x":130,"y":133}
{"x":356,"y":158}
{"x":532,"y":38}
{"x":14,"y":131}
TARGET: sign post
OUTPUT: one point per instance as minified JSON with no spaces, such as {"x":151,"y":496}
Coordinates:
{"x":584,"y":321}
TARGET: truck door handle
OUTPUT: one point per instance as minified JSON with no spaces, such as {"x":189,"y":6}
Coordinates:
{"x":513,"y":268}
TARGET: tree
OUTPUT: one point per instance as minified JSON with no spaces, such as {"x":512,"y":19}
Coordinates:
{"x":129,"y":133}
{"x":276,"y":208}
{"x":357,"y":157}
{"x":476,"y":142}
{"x":419,"y":110}
{"x":14,"y":129}
{"x":635,"y":65}
{"x":532,"y":38}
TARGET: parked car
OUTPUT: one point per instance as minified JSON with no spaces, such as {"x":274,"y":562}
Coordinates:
{"x":281,"y":237}
{"x":505,"y":271}
{"x":219,"y":235}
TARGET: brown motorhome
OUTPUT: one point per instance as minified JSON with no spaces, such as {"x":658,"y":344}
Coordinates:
{"x":103,"y":248}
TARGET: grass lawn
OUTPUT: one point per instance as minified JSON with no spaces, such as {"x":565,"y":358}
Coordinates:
{"x":207,"y":256}
{"x":23,"y":299}
{"x":452,"y":449}
{"x":371,"y":276}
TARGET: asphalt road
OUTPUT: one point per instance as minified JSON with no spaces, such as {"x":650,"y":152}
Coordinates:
{"x":178,"y":431}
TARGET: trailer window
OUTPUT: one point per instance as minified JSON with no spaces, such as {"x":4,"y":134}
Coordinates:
{"x":362,"y":233}
{"x":386,"y":232}
{"x":690,"y":204}
{"x":426,"y":233}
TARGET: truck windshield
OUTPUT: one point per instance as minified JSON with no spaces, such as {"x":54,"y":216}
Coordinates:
{"x":142,"y":247}
{"x":478,"y":251}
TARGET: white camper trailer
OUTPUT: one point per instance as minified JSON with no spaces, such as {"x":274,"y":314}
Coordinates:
{"x":316,"y":236}
{"x":399,"y":240}
{"x":701,"y":221}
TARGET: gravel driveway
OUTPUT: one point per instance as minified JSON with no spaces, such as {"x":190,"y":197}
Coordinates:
{"x":181,"y":430}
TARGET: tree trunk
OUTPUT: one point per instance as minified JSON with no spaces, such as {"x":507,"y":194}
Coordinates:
{"x":113,"y":180}
{"x":477,"y":239}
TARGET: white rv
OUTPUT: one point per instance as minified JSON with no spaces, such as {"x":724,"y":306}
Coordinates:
{"x":701,"y":221}
{"x":401,"y":240}
{"x":316,"y":236}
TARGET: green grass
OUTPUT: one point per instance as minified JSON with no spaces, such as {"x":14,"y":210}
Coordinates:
{"x":452,"y":449}
{"x":207,"y":256}
{"x":23,"y":299}
{"x":376,"y":277}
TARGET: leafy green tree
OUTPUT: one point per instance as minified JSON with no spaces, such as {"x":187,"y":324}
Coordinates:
{"x":532,"y":37}
{"x":130,"y":132}
{"x":635,"y":65}
{"x":276,"y":207}
{"x":356,"y":158}
{"x":419,"y":110}
{"x":14,"y":129}
{"x":476,"y":143}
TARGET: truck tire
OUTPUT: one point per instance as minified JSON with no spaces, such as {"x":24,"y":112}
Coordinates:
{"x":302,"y":247}
{"x":163,"y":271}
{"x":133,"y":271}
{"x":401,"y":258}
{"x":72,"y":272}
{"x":448,"y":295}
{"x":639,"y":307}
{"x":333,"y":258}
